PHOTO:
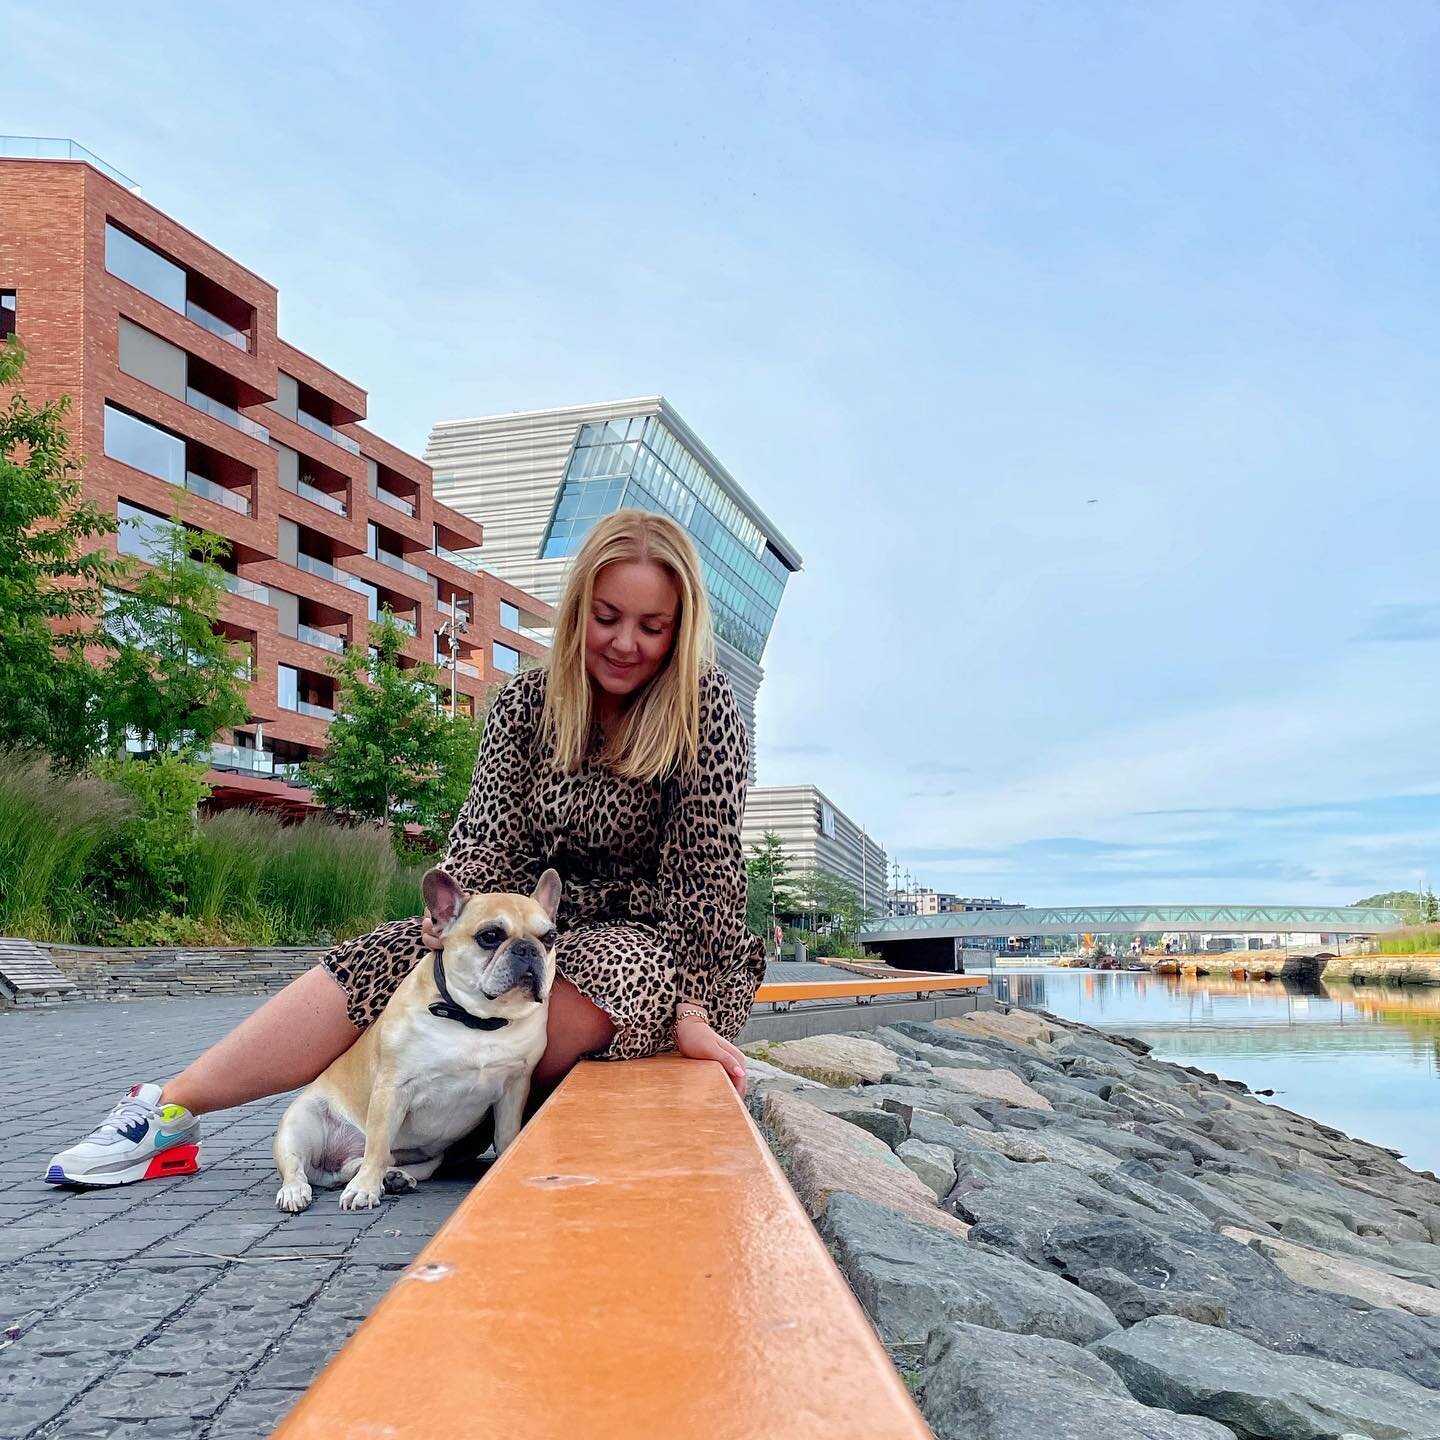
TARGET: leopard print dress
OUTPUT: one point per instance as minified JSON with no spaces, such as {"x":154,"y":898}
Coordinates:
{"x":654,"y":904}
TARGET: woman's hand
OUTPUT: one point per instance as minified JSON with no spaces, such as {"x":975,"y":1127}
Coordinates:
{"x":429,"y":934}
{"x":697,"y":1041}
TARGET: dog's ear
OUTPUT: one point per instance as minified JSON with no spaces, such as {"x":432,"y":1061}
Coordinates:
{"x":444,"y":899}
{"x":547,"y":893}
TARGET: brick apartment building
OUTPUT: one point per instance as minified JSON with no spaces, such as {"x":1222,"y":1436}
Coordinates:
{"x":182,"y":390}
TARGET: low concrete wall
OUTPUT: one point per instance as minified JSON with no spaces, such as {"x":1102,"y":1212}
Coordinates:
{"x":827,"y":1017}
{"x":1384,"y":969}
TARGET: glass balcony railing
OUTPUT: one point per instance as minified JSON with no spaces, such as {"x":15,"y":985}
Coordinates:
{"x":247,"y":589}
{"x":230,"y":499}
{"x":46,"y":147}
{"x":401,"y":623}
{"x":323,"y":638}
{"x":322,"y":498}
{"x":200,"y":401}
{"x":323,"y":568}
{"x":317,"y":712}
{"x":396,"y":562}
{"x":241,"y":757}
{"x":327,"y":432}
{"x":216,"y":326}
{"x":455,"y":558}
{"x":466,"y":668}
{"x":395,"y":502}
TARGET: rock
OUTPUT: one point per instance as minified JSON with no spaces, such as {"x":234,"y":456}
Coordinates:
{"x":851,"y":1106}
{"x":758,"y":1071}
{"x":936,"y":1056}
{"x":939,"y":1099}
{"x":1020,"y":1027}
{"x":934,"y":1164}
{"x":911,"y":1278}
{"x":994,"y":1085}
{"x":1345,"y":1277}
{"x":1073,"y":1100}
{"x":1208,"y":1201}
{"x":986,"y":1385}
{"x":1200,"y":1370}
{"x":838,"y":1060}
{"x":1261,"y":1303}
{"x":824,"y":1154}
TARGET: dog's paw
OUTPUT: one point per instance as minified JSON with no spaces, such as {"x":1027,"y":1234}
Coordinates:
{"x":399,"y":1182}
{"x":294,"y":1197}
{"x":359,"y":1197}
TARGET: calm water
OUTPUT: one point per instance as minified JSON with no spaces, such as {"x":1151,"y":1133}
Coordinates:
{"x":1363,"y":1059}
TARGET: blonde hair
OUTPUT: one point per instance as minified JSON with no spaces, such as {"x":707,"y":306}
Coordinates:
{"x":660,"y":733}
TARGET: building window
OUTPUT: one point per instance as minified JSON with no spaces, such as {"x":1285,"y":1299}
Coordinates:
{"x":372,"y":539}
{"x":7,"y":314}
{"x":143,"y":446}
{"x":288,"y":688}
{"x":143,"y":533}
{"x":146,"y":269}
{"x":509,"y":616}
{"x":503,"y":657}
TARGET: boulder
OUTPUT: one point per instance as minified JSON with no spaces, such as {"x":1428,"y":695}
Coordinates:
{"x":838,"y":1060}
{"x":1000,"y":1085}
{"x":987,"y":1385}
{"x":934,"y":1164}
{"x":939,"y":1099}
{"x":758,"y":1072}
{"x":1020,"y":1027}
{"x":911,"y":1278}
{"x":936,"y":1056}
{"x":1199,"y":1370}
{"x":1345,"y":1277}
{"x":824,"y":1154}
{"x":1260,"y":1302}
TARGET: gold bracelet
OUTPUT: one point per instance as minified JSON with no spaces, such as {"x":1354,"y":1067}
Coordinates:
{"x":691,"y":1012}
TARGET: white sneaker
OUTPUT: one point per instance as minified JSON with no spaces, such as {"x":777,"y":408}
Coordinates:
{"x":140,"y":1139}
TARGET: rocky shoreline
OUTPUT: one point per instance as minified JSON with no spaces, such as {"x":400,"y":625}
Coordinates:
{"x":1057,"y":1236}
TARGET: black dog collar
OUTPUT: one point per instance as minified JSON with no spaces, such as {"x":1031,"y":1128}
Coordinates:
{"x":446,"y":1008}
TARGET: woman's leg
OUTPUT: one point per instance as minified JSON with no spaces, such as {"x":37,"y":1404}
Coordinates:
{"x":573,"y":1028}
{"x":286,"y":1043}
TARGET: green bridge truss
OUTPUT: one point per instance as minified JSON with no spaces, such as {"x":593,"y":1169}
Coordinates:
{"x":1134,"y":919}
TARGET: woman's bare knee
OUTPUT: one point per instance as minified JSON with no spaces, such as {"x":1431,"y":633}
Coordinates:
{"x":574,"y":1027}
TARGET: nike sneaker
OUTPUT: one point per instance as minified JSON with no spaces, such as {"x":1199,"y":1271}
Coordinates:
{"x":140,"y":1139}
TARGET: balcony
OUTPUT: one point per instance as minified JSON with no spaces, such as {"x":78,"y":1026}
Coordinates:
{"x":322,"y":498}
{"x":242,"y":758}
{"x":466,"y":668}
{"x":395,"y":502}
{"x":216,"y":326}
{"x":326,"y":571}
{"x":386,"y":557}
{"x":323,"y":638}
{"x":209,"y":490}
{"x":401,"y":623}
{"x":316,"y":712}
{"x":454,"y":557}
{"x":326,"y":432}
{"x":246,"y":589}
{"x":198,"y":400}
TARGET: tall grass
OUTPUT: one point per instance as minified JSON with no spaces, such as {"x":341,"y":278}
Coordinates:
{"x":51,"y":828}
{"x":326,"y":881}
{"x":403,"y":899}
{"x":1412,"y":940}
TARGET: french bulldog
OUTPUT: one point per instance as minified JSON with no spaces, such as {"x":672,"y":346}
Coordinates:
{"x":460,"y":1035}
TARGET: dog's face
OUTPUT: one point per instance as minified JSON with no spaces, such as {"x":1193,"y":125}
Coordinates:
{"x":500,"y":945}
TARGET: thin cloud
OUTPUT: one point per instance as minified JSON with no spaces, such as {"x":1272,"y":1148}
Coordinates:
{"x":1401,"y":625}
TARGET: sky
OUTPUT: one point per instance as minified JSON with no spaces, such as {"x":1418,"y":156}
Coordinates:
{"x":1088,"y":353}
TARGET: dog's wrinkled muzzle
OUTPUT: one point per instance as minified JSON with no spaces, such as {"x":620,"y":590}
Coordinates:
{"x":520,"y":966}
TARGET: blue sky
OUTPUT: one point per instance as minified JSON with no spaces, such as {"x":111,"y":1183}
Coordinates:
{"x":930,"y":279}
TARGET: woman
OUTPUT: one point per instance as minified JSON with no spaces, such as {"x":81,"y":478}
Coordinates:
{"x":622,"y":764}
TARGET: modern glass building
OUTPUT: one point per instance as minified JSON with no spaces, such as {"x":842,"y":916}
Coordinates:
{"x":543,"y":478}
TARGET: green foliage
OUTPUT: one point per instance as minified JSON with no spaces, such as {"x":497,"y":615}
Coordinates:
{"x":1410,"y":903}
{"x":52,"y":829}
{"x":459,"y":744}
{"x":403,"y":899}
{"x":384,"y":756}
{"x":143,"y":869}
{"x":767,"y":885}
{"x":1414,"y":940}
{"x":51,"y":574}
{"x":174,"y":680}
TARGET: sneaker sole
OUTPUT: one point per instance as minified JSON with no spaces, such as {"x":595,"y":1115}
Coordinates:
{"x":164,"y":1165}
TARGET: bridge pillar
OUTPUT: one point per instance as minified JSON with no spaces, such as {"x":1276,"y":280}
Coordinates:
{"x":933,"y":952}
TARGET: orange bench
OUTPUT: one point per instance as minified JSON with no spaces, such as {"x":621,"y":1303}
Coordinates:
{"x":782,"y":994}
{"x":636,"y":1265}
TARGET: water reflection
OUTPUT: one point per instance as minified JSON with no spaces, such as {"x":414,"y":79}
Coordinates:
{"x":1361,"y":1058}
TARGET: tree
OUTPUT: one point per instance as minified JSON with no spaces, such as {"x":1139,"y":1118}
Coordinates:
{"x":384,"y":756}
{"x":51,"y":574}
{"x":828,"y":903}
{"x":1429,"y":907}
{"x":459,"y":744}
{"x":174,"y":680}
{"x":767,"y":893}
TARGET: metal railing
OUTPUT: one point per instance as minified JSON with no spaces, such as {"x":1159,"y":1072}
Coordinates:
{"x":395,"y":562}
{"x":326,"y":431}
{"x":323,"y":498}
{"x":216,"y":326}
{"x":198,"y":400}
{"x":230,"y":499}
{"x":395,"y":502}
{"x":246,"y":589}
{"x":323,"y":638}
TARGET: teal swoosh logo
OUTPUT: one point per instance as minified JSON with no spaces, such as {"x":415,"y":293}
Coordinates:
{"x":163,"y":1137}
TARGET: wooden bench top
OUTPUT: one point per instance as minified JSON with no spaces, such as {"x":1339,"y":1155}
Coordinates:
{"x":636,"y":1265}
{"x":858,"y":985}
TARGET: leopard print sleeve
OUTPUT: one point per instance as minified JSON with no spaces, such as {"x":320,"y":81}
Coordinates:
{"x":491,"y":845}
{"x":702,"y":864}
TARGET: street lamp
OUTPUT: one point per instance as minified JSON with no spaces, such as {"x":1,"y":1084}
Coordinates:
{"x":452,"y":629}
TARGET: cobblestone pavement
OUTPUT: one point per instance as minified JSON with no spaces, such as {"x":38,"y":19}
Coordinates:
{"x":169,"y":1307}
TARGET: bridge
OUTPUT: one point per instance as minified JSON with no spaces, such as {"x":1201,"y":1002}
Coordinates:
{"x":928,"y":940}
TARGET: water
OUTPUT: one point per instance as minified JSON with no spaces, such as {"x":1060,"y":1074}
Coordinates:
{"x":1364,"y":1059}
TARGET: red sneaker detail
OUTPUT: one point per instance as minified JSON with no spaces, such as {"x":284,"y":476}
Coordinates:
{"x":178,"y":1160}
